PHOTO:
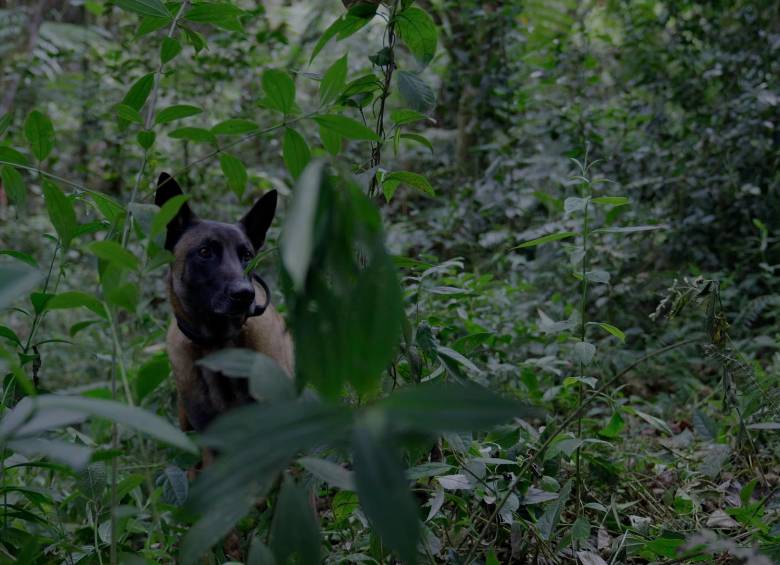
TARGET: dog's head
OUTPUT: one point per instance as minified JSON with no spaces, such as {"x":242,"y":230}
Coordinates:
{"x":208,"y":274}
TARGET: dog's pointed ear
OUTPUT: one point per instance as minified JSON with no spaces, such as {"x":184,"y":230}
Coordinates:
{"x":259,"y":218}
{"x":167,"y":188}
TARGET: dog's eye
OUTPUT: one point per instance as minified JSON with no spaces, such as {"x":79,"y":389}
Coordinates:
{"x":247,"y":255}
{"x":204,"y":252}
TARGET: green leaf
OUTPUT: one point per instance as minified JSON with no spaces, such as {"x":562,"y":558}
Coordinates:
{"x":384,"y":494}
{"x":128,"y":113}
{"x":334,"y":475}
{"x":287,"y":428}
{"x":151,"y":375}
{"x":295,"y":532}
{"x":546,"y":239}
{"x":446,"y":408}
{"x":113,"y":252}
{"x":617,"y":332}
{"x":175,"y":485}
{"x":552,"y":512}
{"x":152,"y":8}
{"x":347,"y":127}
{"x":267,"y":380}
{"x":146,"y":138}
{"x":5,"y":122}
{"x":580,"y":530}
{"x":235,"y":172}
{"x":15,"y":280}
{"x":221,"y":14}
{"x":584,"y":352}
{"x":70,"y":454}
{"x":139,"y":92}
{"x":406,"y":116}
{"x":259,"y":554}
{"x":611,"y":200}
{"x":61,"y":212}
{"x":19,"y":256}
{"x":11,"y":156}
{"x":39,"y":132}
{"x":346,"y":25}
{"x":344,"y":332}
{"x":234,"y":126}
{"x":413,"y":180}
{"x":331,"y":141}
{"x":140,"y":420}
{"x":76,"y":299}
{"x":418,"y":31}
{"x":334,"y":81}
{"x":279,"y":90}
{"x":13,"y":183}
{"x":167,"y":213}
{"x":108,"y":207}
{"x":704,"y":426}
{"x":297,"y":242}
{"x":614,"y":426}
{"x":296,"y":152}
{"x":214,"y":524}
{"x":415,"y":91}
{"x":176,"y":112}
{"x":169,"y":49}
{"x":198,"y":135}
{"x":575,"y":204}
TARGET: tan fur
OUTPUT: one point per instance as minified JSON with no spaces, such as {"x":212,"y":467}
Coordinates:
{"x":266,"y":333}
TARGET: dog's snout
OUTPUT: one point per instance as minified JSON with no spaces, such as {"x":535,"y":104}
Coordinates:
{"x":242,"y":293}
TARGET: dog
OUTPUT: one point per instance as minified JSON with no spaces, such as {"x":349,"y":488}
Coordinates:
{"x":216,"y":304}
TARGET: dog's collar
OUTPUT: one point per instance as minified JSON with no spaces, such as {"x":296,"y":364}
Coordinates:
{"x":199,"y":339}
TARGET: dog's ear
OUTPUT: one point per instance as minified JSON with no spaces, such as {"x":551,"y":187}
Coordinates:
{"x":259,"y":218}
{"x":167,"y":188}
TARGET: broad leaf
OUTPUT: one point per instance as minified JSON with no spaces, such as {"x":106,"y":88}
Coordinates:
{"x":76,"y":299}
{"x":347,"y":127}
{"x":234,"y":126}
{"x":172,"y":113}
{"x":295,"y":531}
{"x":61,"y":212}
{"x":334,"y":475}
{"x":296,"y":152}
{"x":135,"y":418}
{"x":39,"y":132}
{"x":451,"y":407}
{"x":384,"y":494}
{"x":415,"y":91}
{"x":235,"y":173}
{"x":198,"y":135}
{"x":333,"y":81}
{"x":546,"y":239}
{"x":279,"y":90}
{"x":113,"y":252}
{"x":152,"y":8}
{"x":418,"y":31}
{"x":267,"y":380}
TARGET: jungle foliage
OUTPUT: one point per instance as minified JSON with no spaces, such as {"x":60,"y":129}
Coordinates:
{"x":528,"y":252}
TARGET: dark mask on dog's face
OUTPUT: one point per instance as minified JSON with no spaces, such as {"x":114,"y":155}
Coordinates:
{"x":208,"y":273}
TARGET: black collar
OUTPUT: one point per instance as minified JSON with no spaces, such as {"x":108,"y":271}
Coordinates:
{"x":199,"y":339}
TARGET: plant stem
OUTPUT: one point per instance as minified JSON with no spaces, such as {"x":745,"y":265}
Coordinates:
{"x":568,"y":420}
{"x":583,"y":334}
{"x":376,"y":151}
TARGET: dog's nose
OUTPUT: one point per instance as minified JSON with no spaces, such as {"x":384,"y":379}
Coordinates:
{"x":243,"y":294}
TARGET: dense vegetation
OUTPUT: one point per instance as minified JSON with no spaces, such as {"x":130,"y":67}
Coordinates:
{"x":528,"y":252}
